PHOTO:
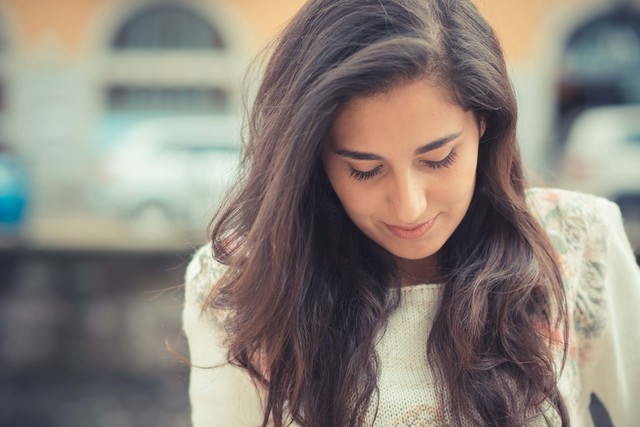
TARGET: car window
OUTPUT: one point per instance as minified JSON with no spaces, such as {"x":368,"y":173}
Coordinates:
{"x":634,"y":139}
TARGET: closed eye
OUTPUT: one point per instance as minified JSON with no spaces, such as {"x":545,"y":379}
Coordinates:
{"x":444,"y":163}
{"x":364,"y":175}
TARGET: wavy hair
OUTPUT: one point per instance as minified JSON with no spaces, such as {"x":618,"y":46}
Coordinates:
{"x":306,"y":293}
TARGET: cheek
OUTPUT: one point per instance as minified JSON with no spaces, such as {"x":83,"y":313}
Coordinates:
{"x":457,"y":185}
{"x":356,"y":203}
{"x":466,"y":176}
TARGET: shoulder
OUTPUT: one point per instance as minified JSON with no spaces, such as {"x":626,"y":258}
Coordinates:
{"x":199,"y":319}
{"x":557,"y":205}
{"x":584,"y":230}
{"x":580,"y":228}
{"x":202,"y":274}
{"x":574,"y":221}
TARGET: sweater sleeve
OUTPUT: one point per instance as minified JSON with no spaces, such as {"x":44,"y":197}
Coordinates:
{"x":221,"y":394}
{"x":612,"y":372}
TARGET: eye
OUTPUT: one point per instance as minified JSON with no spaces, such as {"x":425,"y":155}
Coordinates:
{"x":444,"y":163}
{"x":363,"y":176}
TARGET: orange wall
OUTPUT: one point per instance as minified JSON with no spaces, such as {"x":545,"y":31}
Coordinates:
{"x":517,"y":22}
{"x":70,"y":19}
{"x":67,"y":18}
{"x":267,"y":17}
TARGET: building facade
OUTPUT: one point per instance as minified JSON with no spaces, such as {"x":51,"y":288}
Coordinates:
{"x":74,"y":72}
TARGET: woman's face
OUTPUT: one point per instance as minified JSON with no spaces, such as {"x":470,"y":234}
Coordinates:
{"x":403,"y":164}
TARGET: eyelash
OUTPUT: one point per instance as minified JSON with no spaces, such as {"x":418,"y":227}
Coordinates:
{"x":444,"y":163}
{"x":363,"y":176}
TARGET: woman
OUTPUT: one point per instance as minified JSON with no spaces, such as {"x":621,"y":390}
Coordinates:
{"x":382,"y":262}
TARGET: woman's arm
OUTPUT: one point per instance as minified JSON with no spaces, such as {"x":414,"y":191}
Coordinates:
{"x":613,"y":371}
{"x":221,"y":394}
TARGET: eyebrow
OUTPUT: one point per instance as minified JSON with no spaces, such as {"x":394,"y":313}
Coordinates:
{"x":434,"y":145}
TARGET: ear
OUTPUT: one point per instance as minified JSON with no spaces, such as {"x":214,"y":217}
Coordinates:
{"x":482,"y":124}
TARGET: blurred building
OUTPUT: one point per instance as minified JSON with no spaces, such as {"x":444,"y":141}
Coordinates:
{"x":566,"y":56}
{"x":75,"y":73}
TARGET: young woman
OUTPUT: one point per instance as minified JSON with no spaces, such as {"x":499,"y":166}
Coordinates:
{"x":381,"y":261}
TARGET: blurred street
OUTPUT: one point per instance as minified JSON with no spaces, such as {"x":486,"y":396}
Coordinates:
{"x":85,"y":339}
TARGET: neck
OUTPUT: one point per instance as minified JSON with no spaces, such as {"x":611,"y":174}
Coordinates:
{"x":418,"y":271}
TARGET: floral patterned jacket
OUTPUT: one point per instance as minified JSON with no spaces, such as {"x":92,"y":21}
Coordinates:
{"x":602,"y":283}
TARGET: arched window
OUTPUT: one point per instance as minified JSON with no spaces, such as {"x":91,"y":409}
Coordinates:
{"x":154,"y":51}
{"x":168,"y":59}
{"x":605,"y":48}
{"x":601,"y":65}
{"x":167,"y":27}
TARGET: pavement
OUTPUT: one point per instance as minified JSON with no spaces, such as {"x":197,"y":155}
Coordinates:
{"x":88,"y":339}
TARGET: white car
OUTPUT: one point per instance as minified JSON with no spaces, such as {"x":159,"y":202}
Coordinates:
{"x":170,"y":172}
{"x":602,"y":156}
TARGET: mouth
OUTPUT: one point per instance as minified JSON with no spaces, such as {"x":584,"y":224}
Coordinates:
{"x":413,"y":232}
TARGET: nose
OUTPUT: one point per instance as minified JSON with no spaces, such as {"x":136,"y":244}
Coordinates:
{"x":408,"y":199}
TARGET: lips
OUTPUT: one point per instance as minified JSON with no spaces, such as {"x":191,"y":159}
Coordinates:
{"x":413,"y":232}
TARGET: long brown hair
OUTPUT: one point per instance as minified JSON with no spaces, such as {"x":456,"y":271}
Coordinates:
{"x":306,"y":293}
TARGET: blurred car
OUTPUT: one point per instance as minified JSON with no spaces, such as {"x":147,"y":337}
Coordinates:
{"x":602,"y":156}
{"x":169,"y":172}
{"x":13,"y":197}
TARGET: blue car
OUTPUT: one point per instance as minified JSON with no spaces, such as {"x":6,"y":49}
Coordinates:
{"x":13,"y":196}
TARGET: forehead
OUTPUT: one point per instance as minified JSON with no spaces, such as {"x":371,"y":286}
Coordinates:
{"x":417,"y":111}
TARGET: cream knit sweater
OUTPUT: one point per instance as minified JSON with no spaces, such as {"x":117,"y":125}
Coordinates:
{"x":602,"y":283}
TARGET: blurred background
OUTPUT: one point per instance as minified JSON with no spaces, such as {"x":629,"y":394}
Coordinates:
{"x":119,"y":130}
